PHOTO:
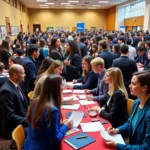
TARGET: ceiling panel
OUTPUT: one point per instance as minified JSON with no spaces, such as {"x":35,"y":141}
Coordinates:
{"x":82,"y":4}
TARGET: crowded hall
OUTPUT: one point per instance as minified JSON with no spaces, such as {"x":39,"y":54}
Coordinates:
{"x":74,"y":74}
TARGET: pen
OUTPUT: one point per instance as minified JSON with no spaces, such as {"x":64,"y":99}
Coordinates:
{"x":81,"y":137}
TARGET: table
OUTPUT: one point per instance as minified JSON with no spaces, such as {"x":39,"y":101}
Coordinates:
{"x":99,"y":144}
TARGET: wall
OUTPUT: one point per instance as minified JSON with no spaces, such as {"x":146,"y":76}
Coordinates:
{"x":68,"y":18}
{"x":16,"y":16}
{"x":111,"y":18}
{"x":135,"y":21}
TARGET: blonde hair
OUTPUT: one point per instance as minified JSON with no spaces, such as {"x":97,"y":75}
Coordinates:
{"x":117,"y":81}
{"x":98,"y":61}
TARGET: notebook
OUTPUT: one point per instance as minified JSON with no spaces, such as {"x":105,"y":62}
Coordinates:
{"x":81,"y":142}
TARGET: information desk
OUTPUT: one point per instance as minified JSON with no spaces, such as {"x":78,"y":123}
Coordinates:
{"x":99,"y":144}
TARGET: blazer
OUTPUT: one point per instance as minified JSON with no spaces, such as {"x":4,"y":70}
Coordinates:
{"x":3,"y":79}
{"x":108,"y":58}
{"x":83,"y":49}
{"x":127,"y":66}
{"x":140,"y":135}
{"x":56,"y":55}
{"x":88,"y":82}
{"x":12,"y":109}
{"x":49,"y":134}
{"x":73,"y":70}
{"x":116,"y":111}
{"x":31,"y":73}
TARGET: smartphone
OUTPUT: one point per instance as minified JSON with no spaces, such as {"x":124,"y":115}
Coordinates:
{"x":104,"y":122}
{"x":95,"y":119}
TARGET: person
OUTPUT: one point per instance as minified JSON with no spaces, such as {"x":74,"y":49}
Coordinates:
{"x":29,"y":65}
{"x":115,"y":110}
{"x":12,"y":60}
{"x":89,"y":78}
{"x":147,"y":67}
{"x":100,"y":92}
{"x":116,"y":50}
{"x":126,"y":65}
{"x":56,"y":67}
{"x":4,"y":53}
{"x":93,"y":51}
{"x":106,"y":55}
{"x":138,"y":124}
{"x":55,"y":51}
{"x":44,"y":117}
{"x":3,"y":78}
{"x":72,"y":61}
{"x":13,"y":103}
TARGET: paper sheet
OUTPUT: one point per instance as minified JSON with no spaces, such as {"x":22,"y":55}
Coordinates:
{"x":67,"y":91}
{"x":116,"y":138}
{"x":77,"y":117}
{"x":92,"y":127}
{"x":70,"y":98}
{"x":86,"y":102}
{"x":74,"y":106}
{"x":79,"y":91}
{"x":82,"y":96}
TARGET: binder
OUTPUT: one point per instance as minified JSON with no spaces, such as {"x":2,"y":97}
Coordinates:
{"x":81,"y":142}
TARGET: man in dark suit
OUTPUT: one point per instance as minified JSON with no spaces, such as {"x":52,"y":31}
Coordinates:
{"x":107,"y":56}
{"x":29,"y":65}
{"x":126,"y":65}
{"x":13,"y":103}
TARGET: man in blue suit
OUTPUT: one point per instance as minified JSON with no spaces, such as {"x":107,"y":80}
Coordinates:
{"x":13,"y":103}
{"x":29,"y":64}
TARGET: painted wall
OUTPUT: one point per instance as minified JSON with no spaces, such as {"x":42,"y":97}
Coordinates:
{"x":67,"y":18}
{"x":111,"y":18}
{"x":16,"y":16}
{"x":135,"y":21}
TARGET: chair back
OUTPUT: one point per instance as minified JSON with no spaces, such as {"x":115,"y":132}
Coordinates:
{"x":30,"y":95}
{"x":129,"y":106}
{"x":19,"y":137}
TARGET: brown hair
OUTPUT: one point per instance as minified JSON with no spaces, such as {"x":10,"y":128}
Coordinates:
{"x":48,"y":98}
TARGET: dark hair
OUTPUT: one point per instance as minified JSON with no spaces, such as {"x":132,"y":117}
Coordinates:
{"x":103,"y":44}
{"x":53,"y":45}
{"x":128,"y":41}
{"x":32,"y":48}
{"x":45,"y":65}
{"x":124,"y":49}
{"x":5,"y":45}
{"x":117,"y":48}
{"x":73,"y":47}
{"x":13,"y":59}
{"x":109,"y":37}
{"x":148,"y":43}
{"x":98,"y":38}
{"x":122,"y":39}
{"x":140,"y":48}
{"x":42,"y":42}
{"x":144,"y":78}
{"x":19,"y":51}
{"x":82,"y":39}
{"x":34,"y":40}
{"x":48,"y":98}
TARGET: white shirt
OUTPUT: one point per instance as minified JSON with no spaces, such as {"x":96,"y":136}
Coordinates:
{"x":132,"y":52}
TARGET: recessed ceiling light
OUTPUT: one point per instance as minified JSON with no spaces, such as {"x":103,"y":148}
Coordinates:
{"x":65,"y":3}
{"x":70,"y":5}
{"x":49,"y":3}
{"x":43,"y":5}
{"x":96,"y":5}
{"x":103,"y":2}
{"x":41,"y":1}
{"x":91,"y":7}
{"x":73,"y":1}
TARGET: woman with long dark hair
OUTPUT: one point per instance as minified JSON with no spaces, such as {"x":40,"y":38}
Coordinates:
{"x":44,"y":117}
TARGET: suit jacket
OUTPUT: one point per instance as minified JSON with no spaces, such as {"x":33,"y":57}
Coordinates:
{"x":73,"y":71}
{"x":49,"y":134}
{"x":12,"y":109}
{"x":116,"y":111}
{"x":140,"y":135}
{"x":31,"y":73}
{"x":56,"y":55}
{"x":3,"y":79}
{"x":108,"y":58}
{"x":83,"y":49}
{"x":127,"y":66}
{"x":89,"y":82}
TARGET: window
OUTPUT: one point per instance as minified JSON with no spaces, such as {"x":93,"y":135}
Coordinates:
{"x":135,"y":9}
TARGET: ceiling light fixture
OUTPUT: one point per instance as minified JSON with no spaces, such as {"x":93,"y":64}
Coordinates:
{"x":49,"y":3}
{"x":70,"y":5}
{"x":43,"y":5}
{"x":65,"y":3}
{"x":73,"y":1}
{"x":103,"y":2}
{"x":42,"y":1}
{"x":96,"y":5}
{"x":91,"y":7}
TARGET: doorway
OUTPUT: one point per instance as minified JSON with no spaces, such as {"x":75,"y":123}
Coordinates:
{"x":36,"y":27}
